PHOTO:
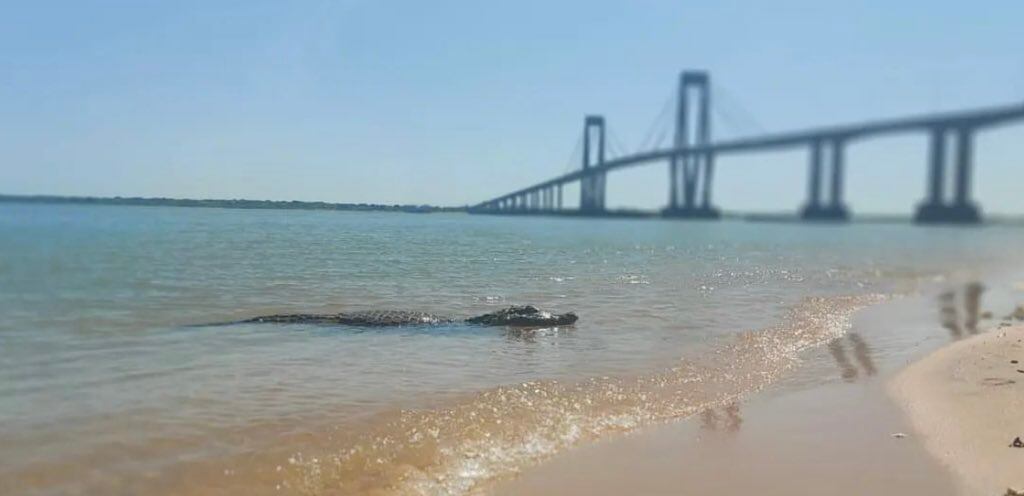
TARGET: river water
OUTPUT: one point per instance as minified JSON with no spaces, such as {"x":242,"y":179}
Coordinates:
{"x":112,"y":381}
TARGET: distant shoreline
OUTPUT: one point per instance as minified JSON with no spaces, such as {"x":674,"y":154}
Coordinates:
{"x":771,"y":217}
{"x":235,"y":204}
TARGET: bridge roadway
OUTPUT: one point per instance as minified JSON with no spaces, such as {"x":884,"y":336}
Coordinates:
{"x":966,"y":121}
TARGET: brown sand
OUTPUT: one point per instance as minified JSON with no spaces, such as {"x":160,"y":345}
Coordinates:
{"x":966,"y":401}
{"x":835,"y":438}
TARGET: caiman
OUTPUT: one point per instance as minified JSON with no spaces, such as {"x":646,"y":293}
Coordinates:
{"x":513,"y":316}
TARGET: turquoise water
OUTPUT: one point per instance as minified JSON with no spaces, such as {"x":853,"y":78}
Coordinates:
{"x":109,"y":379}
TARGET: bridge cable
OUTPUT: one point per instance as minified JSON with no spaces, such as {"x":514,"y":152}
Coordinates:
{"x":659,"y":127}
{"x":576,"y":157}
{"x":615,"y":146}
{"x":665,"y":131}
{"x":733,"y":114}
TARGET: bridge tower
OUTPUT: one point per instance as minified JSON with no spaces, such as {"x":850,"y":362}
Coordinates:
{"x":693,"y":168}
{"x":592,"y":186}
{"x":935,"y":209}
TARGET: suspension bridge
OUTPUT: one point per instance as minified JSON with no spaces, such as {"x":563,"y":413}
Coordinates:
{"x":692,"y":153}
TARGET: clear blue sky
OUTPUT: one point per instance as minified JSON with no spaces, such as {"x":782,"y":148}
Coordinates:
{"x":449,"y":102}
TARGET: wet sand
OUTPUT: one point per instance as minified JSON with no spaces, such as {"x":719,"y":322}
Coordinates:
{"x":833,"y":439}
{"x":967,"y":402}
{"x":830,"y":428}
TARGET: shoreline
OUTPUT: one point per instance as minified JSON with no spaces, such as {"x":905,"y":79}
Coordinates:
{"x":965,"y":401}
{"x":473,"y":449}
{"x":832,"y":427}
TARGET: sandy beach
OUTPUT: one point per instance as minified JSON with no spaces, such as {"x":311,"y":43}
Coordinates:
{"x":857,"y":419}
{"x":826,"y":440}
{"x":965,"y":401}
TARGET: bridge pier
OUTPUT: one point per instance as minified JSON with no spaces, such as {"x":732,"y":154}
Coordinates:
{"x":835,"y":210}
{"x":935,"y":209}
{"x":694,"y":169}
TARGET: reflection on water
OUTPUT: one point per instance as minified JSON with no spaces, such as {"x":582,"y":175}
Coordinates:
{"x":729,"y":420}
{"x":846,"y":368}
{"x":972,"y":297}
{"x":949,"y":315}
{"x":530,"y":335}
{"x":959,"y":313}
{"x":861,"y":353}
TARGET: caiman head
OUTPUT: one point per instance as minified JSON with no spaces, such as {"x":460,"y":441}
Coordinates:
{"x":524,"y":316}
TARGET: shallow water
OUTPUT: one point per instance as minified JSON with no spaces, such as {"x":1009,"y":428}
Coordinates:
{"x":109,"y":382}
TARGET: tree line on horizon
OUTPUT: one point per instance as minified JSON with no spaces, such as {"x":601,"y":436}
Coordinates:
{"x":234,"y":203}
